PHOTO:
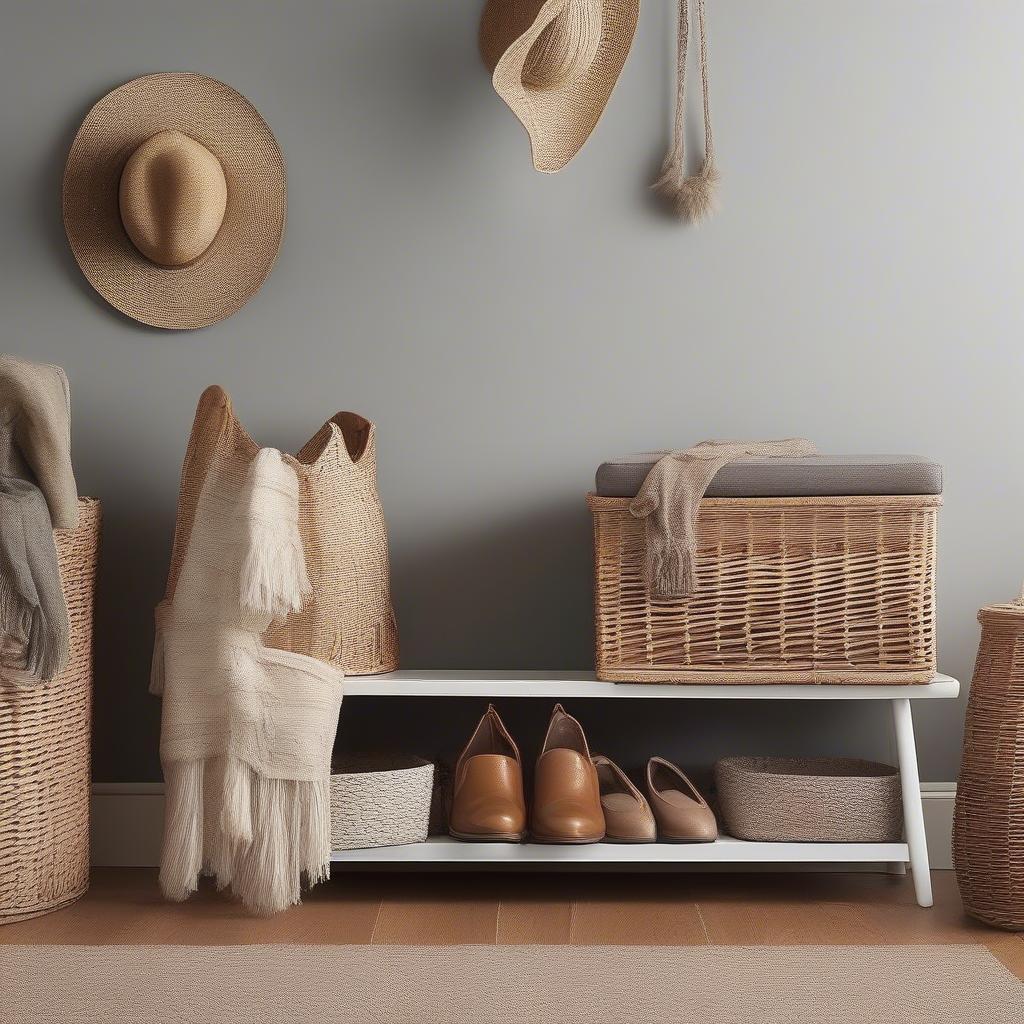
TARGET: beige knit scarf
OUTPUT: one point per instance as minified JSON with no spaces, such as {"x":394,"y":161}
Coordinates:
{"x":669,"y":499}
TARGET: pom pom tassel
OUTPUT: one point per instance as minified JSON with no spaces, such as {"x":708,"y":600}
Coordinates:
{"x":693,"y":198}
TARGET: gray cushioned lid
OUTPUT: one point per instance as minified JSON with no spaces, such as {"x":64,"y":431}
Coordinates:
{"x":813,"y":476}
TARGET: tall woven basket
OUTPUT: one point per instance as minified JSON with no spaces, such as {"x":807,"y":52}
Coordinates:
{"x":44,"y":753}
{"x":348,"y":620}
{"x":988,"y":824}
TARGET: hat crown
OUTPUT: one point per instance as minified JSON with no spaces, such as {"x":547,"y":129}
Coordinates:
{"x":173,"y":196}
{"x":569,"y":41}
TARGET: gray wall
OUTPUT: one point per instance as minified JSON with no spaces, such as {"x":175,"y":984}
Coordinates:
{"x":507,"y":330}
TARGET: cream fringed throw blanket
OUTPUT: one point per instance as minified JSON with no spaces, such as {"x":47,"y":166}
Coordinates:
{"x":669,"y":499}
{"x":37,"y":495}
{"x":247,"y":730}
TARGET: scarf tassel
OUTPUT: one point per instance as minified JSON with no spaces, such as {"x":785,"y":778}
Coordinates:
{"x":671,"y":572}
{"x":274,"y":579}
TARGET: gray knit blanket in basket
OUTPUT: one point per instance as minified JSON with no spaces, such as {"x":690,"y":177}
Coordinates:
{"x":37,"y":495}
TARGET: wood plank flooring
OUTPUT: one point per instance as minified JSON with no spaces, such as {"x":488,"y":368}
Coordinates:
{"x":829,"y":908}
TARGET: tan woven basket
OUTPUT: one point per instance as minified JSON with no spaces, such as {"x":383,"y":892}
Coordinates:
{"x":44,"y":754}
{"x":988,"y":823}
{"x":789,"y":590}
{"x":809,"y":800}
{"x":348,"y":621}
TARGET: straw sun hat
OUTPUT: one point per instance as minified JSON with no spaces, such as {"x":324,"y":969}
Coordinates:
{"x":174,"y":200}
{"x":555,"y":63}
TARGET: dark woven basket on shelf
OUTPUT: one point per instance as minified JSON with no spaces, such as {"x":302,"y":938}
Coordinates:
{"x":988,"y":824}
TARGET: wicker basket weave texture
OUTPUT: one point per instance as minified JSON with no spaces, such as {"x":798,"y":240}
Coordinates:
{"x":988,"y":822}
{"x":789,"y":590}
{"x":45,"y":753}
{"x":809,"y":800}
{"x":348,"y":621}
{"x":380,"y":802}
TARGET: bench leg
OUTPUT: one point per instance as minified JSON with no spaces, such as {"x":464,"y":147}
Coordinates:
{"x":913,"y":811}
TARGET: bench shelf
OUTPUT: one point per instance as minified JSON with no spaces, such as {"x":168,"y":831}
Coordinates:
{"x":727,"y":850}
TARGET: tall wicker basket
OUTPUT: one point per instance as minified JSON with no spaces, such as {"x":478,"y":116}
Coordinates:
{"x":44,"y":754}
{"x":348,"y":620}
{"x":988,"y":825}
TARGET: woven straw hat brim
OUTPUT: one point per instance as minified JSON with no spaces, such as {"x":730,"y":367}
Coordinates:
{"x":559,"y":119}
{"x":241,"y":256}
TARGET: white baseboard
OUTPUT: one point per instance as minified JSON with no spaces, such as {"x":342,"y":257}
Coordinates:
{"x":938,"y":798}
{"x":127,"y":821}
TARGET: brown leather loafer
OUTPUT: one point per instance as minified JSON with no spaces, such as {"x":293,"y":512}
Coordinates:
{"x":682,"y":813}
{"x":487,"y":800}
{"x":566,"y":794}
{"x":627,"y":815}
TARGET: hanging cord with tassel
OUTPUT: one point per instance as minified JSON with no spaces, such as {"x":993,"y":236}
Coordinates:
{"x":694,"y":197}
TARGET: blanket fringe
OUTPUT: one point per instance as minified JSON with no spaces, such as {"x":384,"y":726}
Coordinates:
{"x":181,"y":860}
{"x":15,"y":624}
{"x":291,"y":837}
{"x":270,"y":834}
{"x":28,"y":652}
{"x":315,"y":842}
{"x":236,"y":812}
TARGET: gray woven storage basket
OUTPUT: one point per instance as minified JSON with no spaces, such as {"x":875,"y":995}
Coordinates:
{"x":380,"y":801}
{"x":809,"y":800}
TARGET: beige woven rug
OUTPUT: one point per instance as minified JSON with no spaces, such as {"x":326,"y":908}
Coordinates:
{"x":507,"y":985}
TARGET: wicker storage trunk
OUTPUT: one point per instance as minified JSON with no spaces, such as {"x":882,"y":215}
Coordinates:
{"x":44,"y":754}
{"x":830,"y":589}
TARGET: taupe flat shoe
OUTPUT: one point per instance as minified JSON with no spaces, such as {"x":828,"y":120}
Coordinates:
{"x":487,"y":801}
{"x":627,"y":815}
{"x":682,"y":814}
{"x":566,"y":794}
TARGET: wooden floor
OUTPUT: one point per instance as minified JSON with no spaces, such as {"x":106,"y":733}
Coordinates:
{"x":124,"y":906}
